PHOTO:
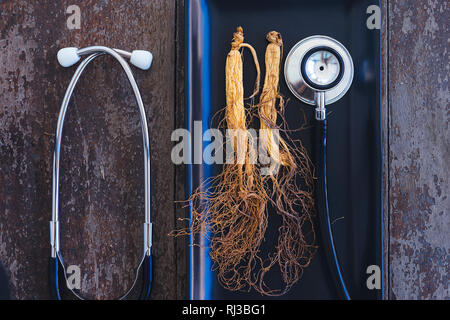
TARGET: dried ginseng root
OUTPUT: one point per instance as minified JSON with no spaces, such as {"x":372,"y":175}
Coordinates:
{"x":289,"y":165}
{"x":229,"y":208}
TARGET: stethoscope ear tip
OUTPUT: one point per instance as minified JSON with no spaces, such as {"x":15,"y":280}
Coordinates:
{"x":68,"y":56}
{"x":141,"y":59}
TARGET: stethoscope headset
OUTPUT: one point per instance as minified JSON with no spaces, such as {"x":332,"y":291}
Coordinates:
{"x":319,"y":71}
{"x":66,"y":58}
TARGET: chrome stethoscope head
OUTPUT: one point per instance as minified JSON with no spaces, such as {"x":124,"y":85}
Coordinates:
{"x":319,"y":71}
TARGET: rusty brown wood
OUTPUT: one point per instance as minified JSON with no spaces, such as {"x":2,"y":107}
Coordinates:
{"x":385,"y":142}
{"x":180,"y":178}
{"x":418,"y":149}
{"x":102,"y":161}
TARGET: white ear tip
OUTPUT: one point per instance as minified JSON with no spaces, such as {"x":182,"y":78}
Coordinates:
{"x":141,"y":59}
{"x":68,"y":56}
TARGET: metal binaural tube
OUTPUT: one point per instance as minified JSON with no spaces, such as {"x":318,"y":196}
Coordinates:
{"x":96,"y":51}
{"x":54,"y":229}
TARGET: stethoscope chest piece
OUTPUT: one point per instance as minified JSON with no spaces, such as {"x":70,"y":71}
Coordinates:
{"x":318,"y":64}
{"x":319,"y":71}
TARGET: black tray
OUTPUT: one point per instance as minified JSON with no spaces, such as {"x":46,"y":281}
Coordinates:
{"x":354,"y":139}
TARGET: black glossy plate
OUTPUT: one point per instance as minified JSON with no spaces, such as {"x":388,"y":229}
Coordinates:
{"x":354,"y":139}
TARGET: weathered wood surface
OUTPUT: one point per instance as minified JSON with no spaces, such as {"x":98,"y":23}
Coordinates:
{"x":180,"y":177}
{"x":102,"y":198}
{"x":418,"y":158}
{"x":385,"y":142}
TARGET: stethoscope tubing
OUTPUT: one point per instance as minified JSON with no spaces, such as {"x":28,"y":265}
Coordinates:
{"x":323,"y":213}
{"x":57,"y":270}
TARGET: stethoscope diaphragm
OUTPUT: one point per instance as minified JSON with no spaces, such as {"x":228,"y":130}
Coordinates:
{"x":318,"y":64}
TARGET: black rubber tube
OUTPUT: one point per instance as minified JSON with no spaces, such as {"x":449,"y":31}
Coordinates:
{"x":147,"y":278}
{"x":323,"y":210}
{"x":55,"y":267}
{"x":53,"y":278}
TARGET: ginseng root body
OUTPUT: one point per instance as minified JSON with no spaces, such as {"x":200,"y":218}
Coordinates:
{"x":231,"y":208}
{"x":288,"y":180}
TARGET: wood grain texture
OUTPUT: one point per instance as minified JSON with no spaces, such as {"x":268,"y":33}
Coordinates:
{"x":419,"y":166}
{"x":385,"y":142}
{"x":181,"y":243}
{"x":102,"y":198}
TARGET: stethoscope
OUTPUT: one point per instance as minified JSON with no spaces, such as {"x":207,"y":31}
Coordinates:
{"x":66,"y":58}
{"x":319,"y":71}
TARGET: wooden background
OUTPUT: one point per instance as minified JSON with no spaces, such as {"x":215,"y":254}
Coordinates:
{"x":416,"y":148}
{"x":101,"y":181}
